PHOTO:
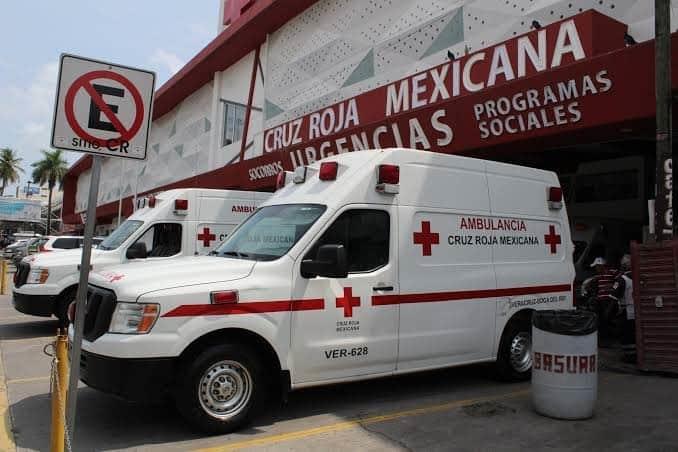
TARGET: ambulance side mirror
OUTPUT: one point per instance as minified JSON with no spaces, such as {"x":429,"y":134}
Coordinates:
{"x":330,"y":262}
{"x":137,"y":251}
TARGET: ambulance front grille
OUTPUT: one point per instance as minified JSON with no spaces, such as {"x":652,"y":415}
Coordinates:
{"x":22,"y":271}
{"x":98,"y":313}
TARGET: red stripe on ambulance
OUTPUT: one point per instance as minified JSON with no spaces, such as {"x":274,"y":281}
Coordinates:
{"x":251,"y":307}
{"x":381,"y":300}
{"x":315,"y":304}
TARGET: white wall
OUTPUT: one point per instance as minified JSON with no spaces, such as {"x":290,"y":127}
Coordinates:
{"x":186,"y":141}
{"x":313,"y":58}
{"x":178,"y":148}
{"x":234,"y":84}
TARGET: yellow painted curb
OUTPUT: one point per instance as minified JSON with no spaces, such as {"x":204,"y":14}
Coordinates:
{"x":6,"y":436}
{"x":354,"y":423}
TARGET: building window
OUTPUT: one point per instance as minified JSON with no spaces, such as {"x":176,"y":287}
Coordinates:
{"x":234,"y":122}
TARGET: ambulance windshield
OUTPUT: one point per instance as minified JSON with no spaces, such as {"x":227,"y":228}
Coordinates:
{"x":270,"y":232}
{"x":120,"y":234}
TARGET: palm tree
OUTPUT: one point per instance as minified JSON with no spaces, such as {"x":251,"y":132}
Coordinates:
{"x":50,"y":170}
{"x":9,"y":168}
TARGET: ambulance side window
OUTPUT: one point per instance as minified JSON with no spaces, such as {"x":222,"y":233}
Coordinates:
{"x":162,"y":239}
{"x":365,"y":235}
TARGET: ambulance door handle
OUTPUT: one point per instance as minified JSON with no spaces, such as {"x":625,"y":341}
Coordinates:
{"x":383,"y":288}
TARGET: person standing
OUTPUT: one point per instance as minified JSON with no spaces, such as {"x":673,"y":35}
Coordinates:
{"x":606,"y":305}
{"x":622,"y":289}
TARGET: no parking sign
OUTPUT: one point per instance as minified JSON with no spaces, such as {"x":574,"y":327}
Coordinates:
{"x":102,"y":108}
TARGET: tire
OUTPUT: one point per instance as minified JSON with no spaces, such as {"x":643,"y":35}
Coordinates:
{"x":231,"y":369}
{"x":514,"y":359}
{"x":61,"y":306}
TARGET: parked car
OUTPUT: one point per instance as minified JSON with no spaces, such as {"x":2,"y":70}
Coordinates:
{"x":37,"y":245}
{"x":10,"y":249}
{"x":66,"y":242}
{"x":19,"y":249}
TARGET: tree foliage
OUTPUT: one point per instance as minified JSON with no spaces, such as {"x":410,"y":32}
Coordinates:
{"x":10,"y":167}
{"x":50,"y":171}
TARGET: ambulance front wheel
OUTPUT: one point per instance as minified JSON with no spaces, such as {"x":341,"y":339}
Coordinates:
{"x":222,"y":389}
{"x":514,"y":360}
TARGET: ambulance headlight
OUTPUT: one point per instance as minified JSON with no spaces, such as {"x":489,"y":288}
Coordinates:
{"x":37,"y":276}
{"x":134,"y":318}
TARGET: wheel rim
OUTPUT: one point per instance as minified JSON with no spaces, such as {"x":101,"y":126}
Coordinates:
{"x":225,"y":389}
{"x":521,"y":352}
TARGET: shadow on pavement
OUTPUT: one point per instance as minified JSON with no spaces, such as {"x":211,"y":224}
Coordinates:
{"x":28,"y":330}
{"x":383,"y":395}
{"x":102,"y":422}
{"x":106,"y":422}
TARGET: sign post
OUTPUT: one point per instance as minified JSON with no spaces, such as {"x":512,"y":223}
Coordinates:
{"x":102,"y":109}
{"x":664,"y":207}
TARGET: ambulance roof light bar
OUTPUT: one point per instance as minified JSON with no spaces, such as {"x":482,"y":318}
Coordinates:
{"x":181,"y":206}
{"x":299,"y":175}
{"x":388,"y":179}
{"x":555,"y":198}
{"x":328,"y":171}
{"x":281,"y":179}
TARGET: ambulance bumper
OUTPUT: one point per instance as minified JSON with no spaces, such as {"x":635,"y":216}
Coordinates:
{"x":40,"y":305}
{"x":128,"y":378}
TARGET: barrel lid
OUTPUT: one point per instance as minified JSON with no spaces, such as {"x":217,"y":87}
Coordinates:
{"x":567,"y":322}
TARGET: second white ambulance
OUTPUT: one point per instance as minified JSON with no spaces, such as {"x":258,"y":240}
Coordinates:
{"x":179,"y":222}
{"x":363,"y":265}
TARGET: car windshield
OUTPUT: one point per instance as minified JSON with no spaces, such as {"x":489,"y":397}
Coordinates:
{"x":120,"y":234}
{"x":270,"y":232}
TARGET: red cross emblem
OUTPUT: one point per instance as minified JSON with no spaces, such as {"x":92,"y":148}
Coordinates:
{"x":206,"y":237}
{"x":552,"y":239}
{"x":426,"y":238}
{"x":348,"y":301}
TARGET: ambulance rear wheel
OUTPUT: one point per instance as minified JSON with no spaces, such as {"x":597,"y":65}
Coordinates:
{"x":514,"y":362}
{"x":222,"y":389}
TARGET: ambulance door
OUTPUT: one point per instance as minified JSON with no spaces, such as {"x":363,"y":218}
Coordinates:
{"x":349,"y":336}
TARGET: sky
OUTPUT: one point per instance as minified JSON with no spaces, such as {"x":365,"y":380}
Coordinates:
{"x":157,"y":35}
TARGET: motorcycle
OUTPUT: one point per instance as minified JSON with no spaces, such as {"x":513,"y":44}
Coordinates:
{"x":610,"y":314}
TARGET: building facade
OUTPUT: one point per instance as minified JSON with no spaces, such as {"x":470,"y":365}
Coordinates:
{"x":558,"y":84}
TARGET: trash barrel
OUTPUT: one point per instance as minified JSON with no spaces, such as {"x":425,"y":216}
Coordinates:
{"x":565,"y":363}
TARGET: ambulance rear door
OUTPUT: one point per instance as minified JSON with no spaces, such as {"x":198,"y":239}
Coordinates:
{"x":533,"y":247}
{"x":447,"y":281}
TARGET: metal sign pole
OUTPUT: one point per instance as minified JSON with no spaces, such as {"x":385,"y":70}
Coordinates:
{"x":82,"y":294}
{"x":122,"y":172}
{"x":664,"y":199}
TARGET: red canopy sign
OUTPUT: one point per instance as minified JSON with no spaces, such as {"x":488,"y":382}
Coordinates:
{"x":526,"y":86}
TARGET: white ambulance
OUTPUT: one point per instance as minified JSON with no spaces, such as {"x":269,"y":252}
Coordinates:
{"x":363,"y":265}
{"x":174,"y":223}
